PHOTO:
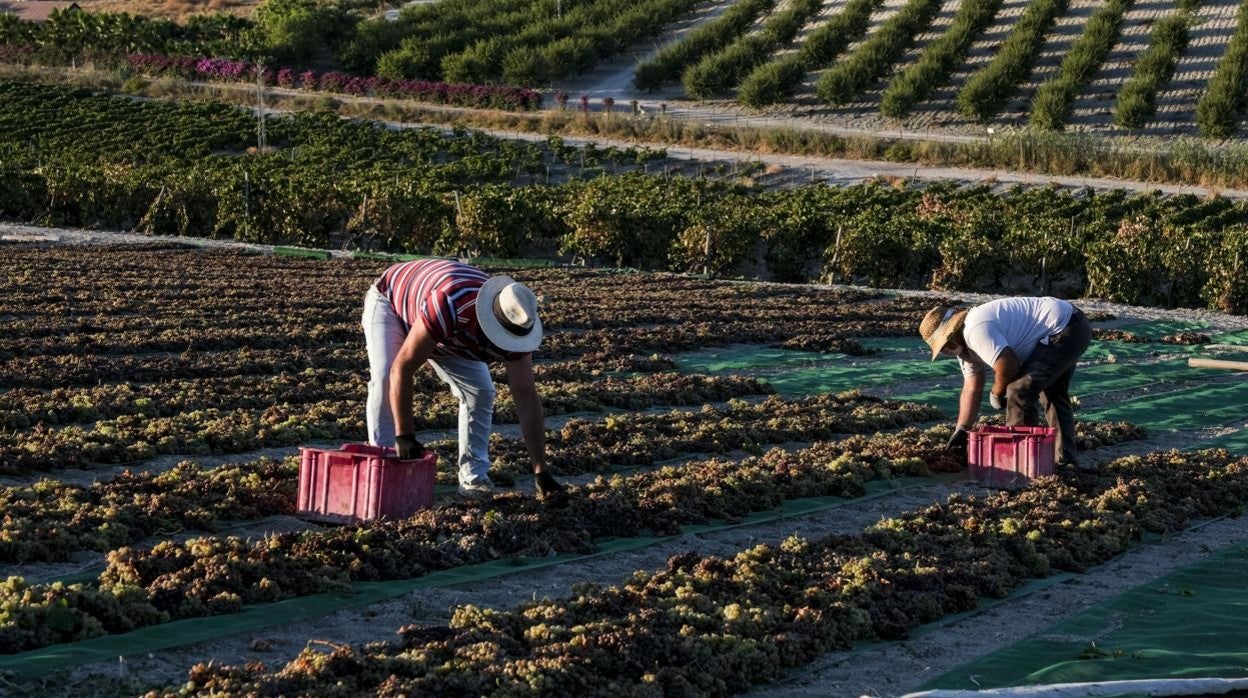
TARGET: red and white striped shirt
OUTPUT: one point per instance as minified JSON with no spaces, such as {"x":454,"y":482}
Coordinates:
{"x":443,"y":295}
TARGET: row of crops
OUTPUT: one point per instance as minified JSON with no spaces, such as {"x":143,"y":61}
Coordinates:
{"x":709,"y":625}
{"x":760,"y":51}
{"x":248,"y":367}
{"x":144,"y":382}
{"x":500,"y":41}
{"x":187,"y":171}
{"x":258,"y":340}
{"x":759,"y":60}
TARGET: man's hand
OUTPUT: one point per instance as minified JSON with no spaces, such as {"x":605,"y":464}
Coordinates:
{"x":416,"y":349}
{"x":408,"y":447}
{"x":1005,"y":371}
{"x":957,"y":442}
{"x":998,"y":401}
{"x":549,"y":490}
{"x":528,"y":409}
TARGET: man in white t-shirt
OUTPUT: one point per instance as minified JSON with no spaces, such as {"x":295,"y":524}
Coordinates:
{"x":1029,"y":345}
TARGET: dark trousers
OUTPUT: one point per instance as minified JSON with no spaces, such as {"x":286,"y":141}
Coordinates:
{"x":1045,"y":377}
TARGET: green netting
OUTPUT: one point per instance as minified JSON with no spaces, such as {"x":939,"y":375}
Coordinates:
{"x":1182,"y":398}
{"x":260,"y":616}
{"x":1160,"y":328}
{"x":1191,"y":623}
{"x":1197,"y":407}
{"x":1235,"y":442}
{"x":893,"y":345}
{"x":744,"y":358}
{"x":1240,"y":337}
{"x":1102,"y":350}
{"x":301,"y":252}
{"x":511,"y":262}
{"x":984,"y":604}
{"x":833,"y":378}
{"x":1104,"y":378}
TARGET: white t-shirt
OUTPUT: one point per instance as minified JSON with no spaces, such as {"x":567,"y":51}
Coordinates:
{"x":1017,"y":323}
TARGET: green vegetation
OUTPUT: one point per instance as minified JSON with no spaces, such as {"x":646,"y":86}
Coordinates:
{"x":778,"y":79}
{"x":1055,"y":98}
{"x":668,"y":64}
{"x":189,"y":173}
{"x":718,"y":73}
{"x":921,"y":79}
{"x":988,"y":89}
{"x":1137,"y":100}
{"x":878,"y":53}
{"x":1219,"y":109}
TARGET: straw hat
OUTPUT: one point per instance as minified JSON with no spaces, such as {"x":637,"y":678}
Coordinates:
{"x":507,"y":313}
{"x":939,"y":325}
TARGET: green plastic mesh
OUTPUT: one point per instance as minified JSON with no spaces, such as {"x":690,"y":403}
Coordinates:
{"x":1191,"y":623}
{"x":260,"y":616}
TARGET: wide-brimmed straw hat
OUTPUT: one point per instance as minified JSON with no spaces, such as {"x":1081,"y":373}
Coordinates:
{"x":507,"y":313}
{"x":941,"y":323}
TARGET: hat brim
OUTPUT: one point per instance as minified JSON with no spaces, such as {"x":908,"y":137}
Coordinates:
{"x":945,"y":330}
{"x":494,"y":330}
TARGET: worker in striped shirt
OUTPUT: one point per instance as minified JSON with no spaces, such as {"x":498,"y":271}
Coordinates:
{"x":457,"y":319}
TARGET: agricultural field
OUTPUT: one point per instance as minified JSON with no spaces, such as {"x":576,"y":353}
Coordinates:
{"x":924,"y":65}
{"x":751,"y":501}
{"x":311,"y":178}
{"x":944,"y":69}
{"x":171,"y":9}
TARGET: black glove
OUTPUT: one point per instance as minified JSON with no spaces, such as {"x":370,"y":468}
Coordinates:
{"x":957,"y":442}
{"x":408,"y":447}
{"x":550,"y":490}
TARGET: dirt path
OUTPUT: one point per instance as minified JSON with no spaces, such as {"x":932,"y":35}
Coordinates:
{"x":841,"y":171}
{"x":614,"y":78}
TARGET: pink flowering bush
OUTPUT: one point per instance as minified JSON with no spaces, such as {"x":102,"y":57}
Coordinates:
{"x":229,"y":70}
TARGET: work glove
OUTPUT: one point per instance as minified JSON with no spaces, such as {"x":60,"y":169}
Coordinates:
{"x":549,"y":490}
{"x":997,"y":401}
{"x":407,"y":447}
{"x":957,"y":442}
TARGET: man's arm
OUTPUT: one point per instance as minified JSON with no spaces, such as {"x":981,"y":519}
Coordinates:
{"x":416,"y":350}
{"x":972,"y":393}
{"x":528,"y":409}
{"x":1006,"y":370}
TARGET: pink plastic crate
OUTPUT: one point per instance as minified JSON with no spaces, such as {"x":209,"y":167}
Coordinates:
{"x":359,"y":482}
{"x":1009,"y":457}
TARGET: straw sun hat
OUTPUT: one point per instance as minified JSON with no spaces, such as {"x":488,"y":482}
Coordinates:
{"x":941,"y":323}
{"x":507,"y":313}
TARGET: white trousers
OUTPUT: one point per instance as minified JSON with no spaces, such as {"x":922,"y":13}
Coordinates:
{"x":469,"y":380}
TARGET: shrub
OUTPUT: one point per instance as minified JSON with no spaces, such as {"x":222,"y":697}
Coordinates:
{"x":878,"y":53}
{"x":1137,"y":99}
{"x":777,"y":80}
{"x":939,"y":59}
{"x":671,"y":60}
{"x":987,"y":90}
{"x":719,"y":72}
{"x":1217,"y":112}
{"x":1055,"y":98}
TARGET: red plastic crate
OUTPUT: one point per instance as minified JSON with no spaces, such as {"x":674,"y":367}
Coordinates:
{"x":1009,"y":457}
{"x":359,"y":482}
